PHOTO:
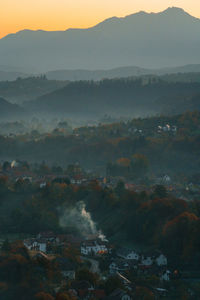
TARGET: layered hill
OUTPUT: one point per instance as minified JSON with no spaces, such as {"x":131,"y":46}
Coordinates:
{"x":26,"y":89}
{"x":149,"y":40}
{"x":121,"y":97}
{"x":74,"y":75}
{"x":10,"y":111}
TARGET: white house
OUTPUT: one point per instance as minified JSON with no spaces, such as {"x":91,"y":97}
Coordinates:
{"x":165,"y":276}
{"x":69,"y":274}
{"x":93,"y":247}
{"x":43,"y":185}
{"x":128,"y":254}
{"x":161,"y":260}
{"x":36,"y":244}
{"x":166,"y":179}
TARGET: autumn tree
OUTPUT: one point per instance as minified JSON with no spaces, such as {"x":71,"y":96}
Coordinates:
{"x":179,"y":235}
{"x":139,"y":165}
{"x":111,"y":284}
{"x":85,"y":274}
{"x":44,"y":296}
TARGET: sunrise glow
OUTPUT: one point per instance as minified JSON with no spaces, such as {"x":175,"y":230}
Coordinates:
{"x":17,"y":15}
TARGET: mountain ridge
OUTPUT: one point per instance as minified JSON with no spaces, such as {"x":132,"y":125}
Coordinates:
{"x":150,"y":40}
{"x":114,"y":18}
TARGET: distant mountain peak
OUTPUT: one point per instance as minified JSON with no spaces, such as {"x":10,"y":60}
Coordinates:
{"x":173,"y":10}
{"x":169,"y":12}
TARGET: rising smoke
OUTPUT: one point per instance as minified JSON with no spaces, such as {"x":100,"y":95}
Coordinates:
{"x":79,"y":218}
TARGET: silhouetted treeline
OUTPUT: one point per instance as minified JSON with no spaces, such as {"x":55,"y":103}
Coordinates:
{"x":142,"y":96}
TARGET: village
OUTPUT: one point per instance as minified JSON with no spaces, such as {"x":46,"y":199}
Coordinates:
{"x":41,"y":175}
{"x":120,"y":262}
{"x":89,"y":264}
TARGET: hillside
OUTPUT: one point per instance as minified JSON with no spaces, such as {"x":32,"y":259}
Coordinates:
{"x":150,"y":40}
{"x":26,"y":89}
{"x":168,"y":152}
{"x":122,"y":97}
{"x":10,"y":111}
{"x":74,"y":75}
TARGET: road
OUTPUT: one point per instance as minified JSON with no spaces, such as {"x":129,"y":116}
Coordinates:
{"x":94,"y":264}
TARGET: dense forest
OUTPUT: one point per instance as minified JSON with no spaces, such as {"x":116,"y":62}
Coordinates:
{"x":89,"y":100}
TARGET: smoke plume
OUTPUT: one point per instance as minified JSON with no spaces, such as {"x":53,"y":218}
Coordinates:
{"x":79,"y":218}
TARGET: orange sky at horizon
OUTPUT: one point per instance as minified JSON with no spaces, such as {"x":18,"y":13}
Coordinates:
{"x":16,"y":15}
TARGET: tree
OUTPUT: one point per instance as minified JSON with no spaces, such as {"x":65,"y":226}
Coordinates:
{"x":6,"y":246}
{"x":120,"y":188}
{"x":123,"y":162}
{"x":112,"y":283}
{"x":160,"y":191}
{"x":43,"y":296}
{"x":6,"y":166}
{"x":139,"y":165}
{"x":84,"y":274}
{"x":63,"y":296}
{"x":3,"y":184}
{"x":144,"y":293}
{"x":180,"y":235}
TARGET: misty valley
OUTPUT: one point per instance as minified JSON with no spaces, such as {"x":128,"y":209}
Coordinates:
{"x":100,"y":160}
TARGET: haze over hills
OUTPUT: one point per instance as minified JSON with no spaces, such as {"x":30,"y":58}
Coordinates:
{"x":74,"y":75}
{"x":96,"y":75}
{"x":10,"y":76}
{"x":26,"y":89}
{"x":10,"y":111}
{"x":119,"y":97}
{"x":149,"y":40}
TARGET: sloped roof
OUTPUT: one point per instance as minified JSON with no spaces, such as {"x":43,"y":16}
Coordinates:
{"x":125,"y":251}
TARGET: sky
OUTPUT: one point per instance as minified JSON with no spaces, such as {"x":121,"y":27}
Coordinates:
{"x":16,"y":15}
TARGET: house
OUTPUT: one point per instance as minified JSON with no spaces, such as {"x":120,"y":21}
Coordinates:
{"x":166,"y":128}
{"x":128,"y":254}
{"x":118,"y":265}
{"x":133,"y":264}
{"x":147,"y":260}
{"x":160,"y":292}
{"x":161,"y":260}
{"x":93,"y":247}
{"x":118,"y":294}
{"x":36,"y":244}
{"x":166,"y":179}
{"x":66,"y":267}
{"x":165,"y":276}
{"x":47,"y":235}
{"x":43,"y":185}
{"x":69,"y":239}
